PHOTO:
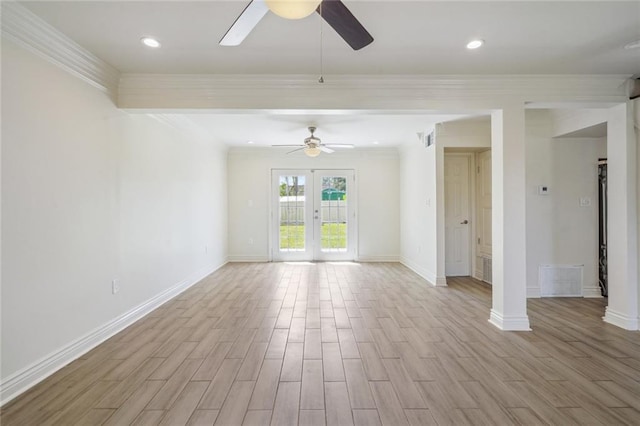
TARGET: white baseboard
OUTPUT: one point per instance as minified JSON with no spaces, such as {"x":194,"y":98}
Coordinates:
{"x":620,"y":320}
{"x":427,"y":275}
{"x":533,"y":292}
{"x":239,"y":259}
{"x":509,"y":323}
{"x":592,"y":292}
{"x":372,"y":259}
{"x":24,"y":379}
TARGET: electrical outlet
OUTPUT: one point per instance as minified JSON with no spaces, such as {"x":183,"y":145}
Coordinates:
{"x":251,"y":241}
{"x":206,"y":248}
{"x":115,"y":286}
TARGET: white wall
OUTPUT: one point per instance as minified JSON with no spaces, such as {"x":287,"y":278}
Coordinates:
{"x":559,"y":230}
{"x":472,"y":133}
{"x":422,"y":194}
{"x":377,"y":203}
{"x":89,"y":194}
{"x":566,"y":121}
{"x":418,"y":223}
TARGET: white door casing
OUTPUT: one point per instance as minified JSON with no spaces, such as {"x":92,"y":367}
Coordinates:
{"x":483,"y":223}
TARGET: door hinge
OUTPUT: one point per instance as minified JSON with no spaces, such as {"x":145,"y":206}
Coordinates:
{"x":478,"y":169}
{"x":478,"y":241}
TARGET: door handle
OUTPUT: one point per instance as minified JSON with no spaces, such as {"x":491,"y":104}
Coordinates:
{"x":464,"y":222}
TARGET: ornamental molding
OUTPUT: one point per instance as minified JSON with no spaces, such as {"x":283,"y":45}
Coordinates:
{"x":24,"y":28}
{"x":365,"y":92}
{"x":428,"y":93}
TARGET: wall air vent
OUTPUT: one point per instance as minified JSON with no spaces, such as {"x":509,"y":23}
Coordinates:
{"x":487,"y":269}
{"x":560,"y":280}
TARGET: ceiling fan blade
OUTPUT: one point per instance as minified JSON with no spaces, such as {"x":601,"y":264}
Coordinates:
{"x":291,"y":145}
{"x":248,"y":19}
{"x":340,"y":145}
{"x":344,"y":23}
{"x":324,"y":148}
{"x":296,"y":150}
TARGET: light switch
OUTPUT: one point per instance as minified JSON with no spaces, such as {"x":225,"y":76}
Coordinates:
{"x":585,"y":201}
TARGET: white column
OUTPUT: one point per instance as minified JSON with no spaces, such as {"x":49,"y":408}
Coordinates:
{"x":509,"y":311}
{"x":622,"y":242}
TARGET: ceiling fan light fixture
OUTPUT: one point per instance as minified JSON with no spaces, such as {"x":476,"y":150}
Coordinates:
{"x":293,"y":9}
{"x":312,"y":151}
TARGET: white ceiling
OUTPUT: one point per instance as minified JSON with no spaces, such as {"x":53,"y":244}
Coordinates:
{"x":411,"y":37}
{"x":360,"y":129}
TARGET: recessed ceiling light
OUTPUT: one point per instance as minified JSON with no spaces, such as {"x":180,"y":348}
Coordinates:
{"x":376,"y":142}
{"x":150,"y":42}
{"x":250,"y":142}
{"x":474,"y":44}
{"x":632,"y":45}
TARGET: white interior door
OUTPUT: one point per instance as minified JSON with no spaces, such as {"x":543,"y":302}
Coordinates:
{"x":457,"y":215}
{"x":313,"y":215}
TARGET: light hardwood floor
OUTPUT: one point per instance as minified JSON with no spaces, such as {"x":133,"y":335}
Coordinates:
{"x":334,"y":344}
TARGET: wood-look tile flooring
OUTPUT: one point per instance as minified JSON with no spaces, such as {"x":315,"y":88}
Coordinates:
{"x":334,"y":344}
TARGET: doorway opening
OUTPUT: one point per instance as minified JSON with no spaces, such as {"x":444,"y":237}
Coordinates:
{"x":603,"y":275}
{"x":468,"y":213}
{"x":313,"y":215}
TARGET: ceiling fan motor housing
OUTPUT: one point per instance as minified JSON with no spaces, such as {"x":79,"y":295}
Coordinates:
{"x":312,"y":140}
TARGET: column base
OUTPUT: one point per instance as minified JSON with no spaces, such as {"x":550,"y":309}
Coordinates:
{"x":509,"y":323}
{"x":620,"y":320}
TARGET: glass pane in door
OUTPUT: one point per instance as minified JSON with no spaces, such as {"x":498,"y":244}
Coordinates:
{"x":333,"y":214}
{"x":292,"y":213}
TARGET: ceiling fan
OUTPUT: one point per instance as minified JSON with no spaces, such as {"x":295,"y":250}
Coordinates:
{"x":334,"y":12}
{"x":313,"y":146}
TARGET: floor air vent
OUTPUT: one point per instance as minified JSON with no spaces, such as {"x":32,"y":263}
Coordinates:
{"x":487,"y":270}
{"x":560,"y":280}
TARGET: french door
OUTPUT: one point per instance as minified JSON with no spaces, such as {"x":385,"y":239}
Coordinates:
{"x":313,"y":214}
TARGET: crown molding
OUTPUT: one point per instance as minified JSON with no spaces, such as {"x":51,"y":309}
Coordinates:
{"x":365,"y":92}
{"x":269,"y":92}
{"x":26,"y":29}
